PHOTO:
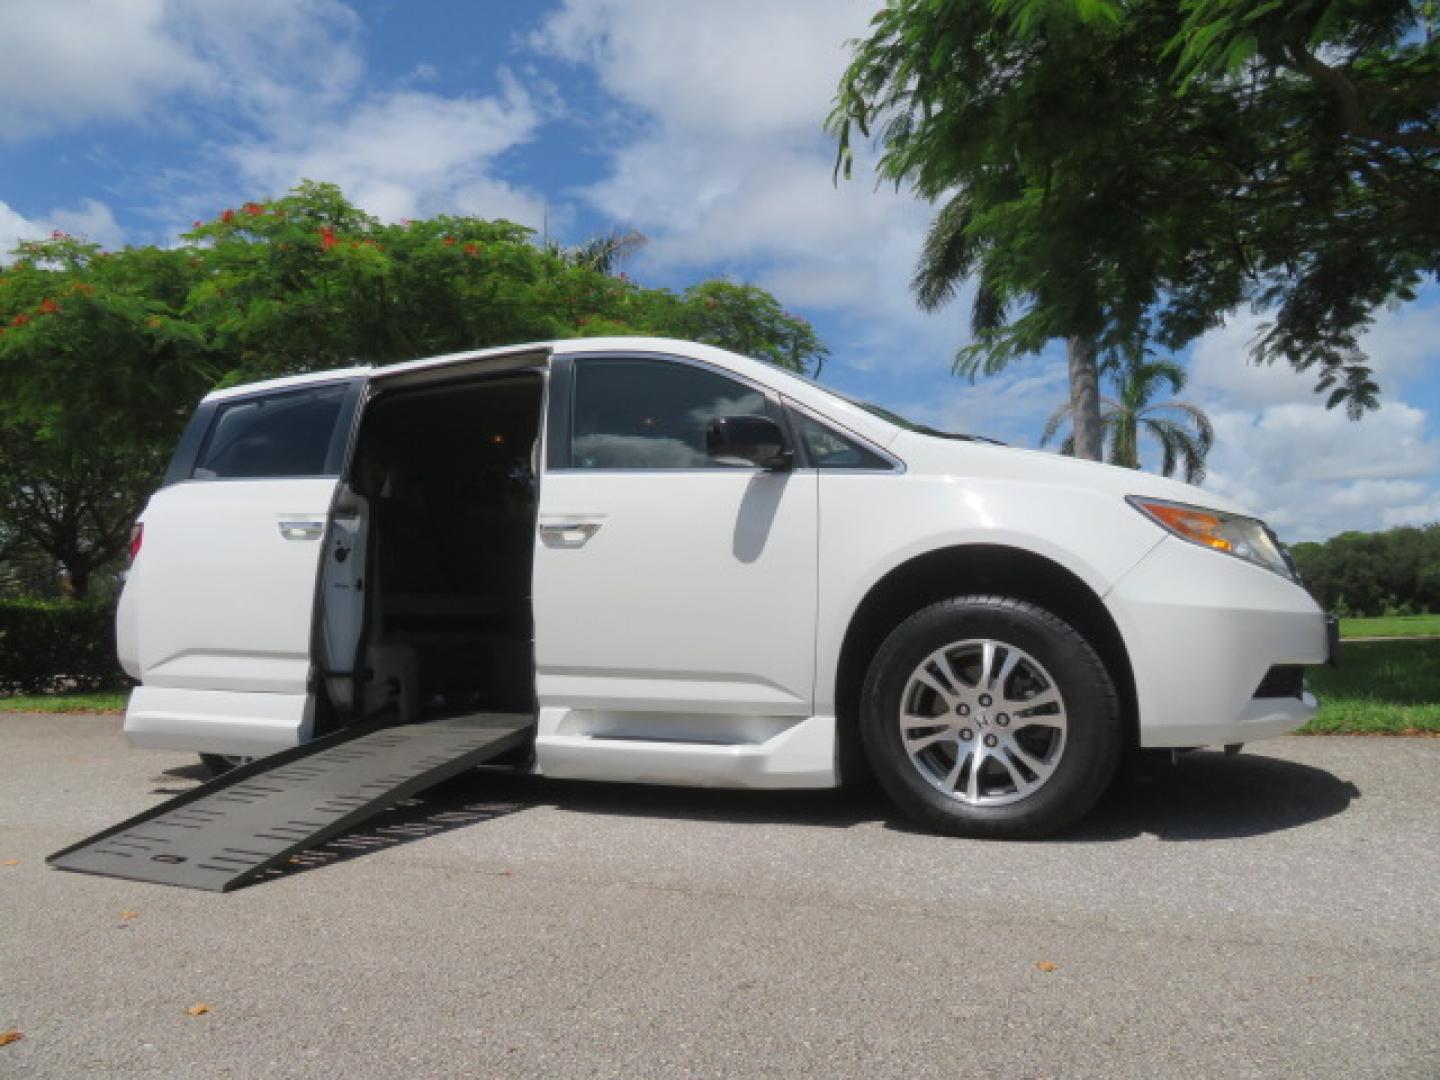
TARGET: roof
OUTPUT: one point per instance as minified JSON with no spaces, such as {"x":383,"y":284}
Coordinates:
{"x":824,"y":401}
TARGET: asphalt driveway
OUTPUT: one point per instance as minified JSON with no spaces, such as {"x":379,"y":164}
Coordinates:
{"x":1275,"y":914}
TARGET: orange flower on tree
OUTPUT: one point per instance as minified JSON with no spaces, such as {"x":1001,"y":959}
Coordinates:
{"x":327,"y":237}
{"x":228,"y":216}
{"x":253,"y":209}
{"x":472,"y":249}
{"x":48,"y":306}
{"x":449,"y":241}
{"x":20,"y":320}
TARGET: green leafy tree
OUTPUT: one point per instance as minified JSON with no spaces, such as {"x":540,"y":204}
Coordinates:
{"x":1110,"y":173}
{"x":1182,"y":430}
{"x":1367,"y":573}
{"x":99,"y":369}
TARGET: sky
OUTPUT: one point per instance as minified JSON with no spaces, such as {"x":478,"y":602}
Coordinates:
{"x":700,"y":125}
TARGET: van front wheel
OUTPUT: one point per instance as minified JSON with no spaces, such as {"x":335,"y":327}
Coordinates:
{"x":987,"y":716}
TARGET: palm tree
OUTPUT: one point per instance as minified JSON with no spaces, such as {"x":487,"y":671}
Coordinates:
{"x":605,"y":254}
{"x":1184,"y":440}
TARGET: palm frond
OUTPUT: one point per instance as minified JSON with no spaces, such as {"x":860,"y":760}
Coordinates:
{"x":1052,"y":425}
{"x":1204,"y":430}
{"x":947,"y":256}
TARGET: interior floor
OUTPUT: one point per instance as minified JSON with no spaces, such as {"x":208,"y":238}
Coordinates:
{"x":448,"y":473}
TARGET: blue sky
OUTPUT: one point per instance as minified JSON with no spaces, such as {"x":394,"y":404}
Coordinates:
{"x":699,"y":125}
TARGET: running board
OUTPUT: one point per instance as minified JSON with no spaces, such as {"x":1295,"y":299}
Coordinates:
{"x":229,"y":831}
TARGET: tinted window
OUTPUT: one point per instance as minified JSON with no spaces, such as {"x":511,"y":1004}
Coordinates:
{"x":828,"y":449}
{"x":284,"y":434}
{"x":652,"y":414}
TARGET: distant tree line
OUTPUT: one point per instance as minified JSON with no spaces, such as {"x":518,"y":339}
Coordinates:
{"x":1396,"y":572}
{"x":104,"y":354}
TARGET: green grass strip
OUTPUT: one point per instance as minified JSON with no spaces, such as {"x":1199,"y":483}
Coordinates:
{"x":1380,"y":687}
{"x":101,"y":701}
{"x":1390,"y":626}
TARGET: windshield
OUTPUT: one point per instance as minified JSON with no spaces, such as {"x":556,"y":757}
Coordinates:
{"x":892,"y":417}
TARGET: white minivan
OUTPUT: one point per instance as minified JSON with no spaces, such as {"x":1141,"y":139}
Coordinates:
{"x":695,"y":568}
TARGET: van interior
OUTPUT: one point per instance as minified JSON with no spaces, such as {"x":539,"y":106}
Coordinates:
{"x":448,"y":476}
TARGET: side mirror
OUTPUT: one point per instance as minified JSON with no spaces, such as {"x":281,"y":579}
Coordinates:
{"x":748,"y":440}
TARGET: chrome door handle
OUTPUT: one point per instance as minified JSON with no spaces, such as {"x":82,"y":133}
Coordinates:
{"x":301,"y":530}
{"x":568,"y":534}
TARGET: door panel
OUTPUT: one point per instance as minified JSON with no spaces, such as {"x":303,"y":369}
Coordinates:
{"x":694,"y":592}
{"x":223,"y":590}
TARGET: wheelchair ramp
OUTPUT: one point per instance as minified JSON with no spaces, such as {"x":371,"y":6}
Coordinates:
{"x":229,"y":831}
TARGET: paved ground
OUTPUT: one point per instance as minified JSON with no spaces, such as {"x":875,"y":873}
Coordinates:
{"x":1274,"y":914}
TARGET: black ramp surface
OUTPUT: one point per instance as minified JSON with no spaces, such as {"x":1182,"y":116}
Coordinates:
{"x":237,"y":826}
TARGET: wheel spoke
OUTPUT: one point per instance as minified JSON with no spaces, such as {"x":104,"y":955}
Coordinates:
{"x":1041,"y":769}
{"x":972,"y":786}
{"x":1012,"y":661}
{"x":1021,"y":784}
{"x":947,"y":785}
{"x":911,"y":722}
{"x":915,"y":745}
{"x":924,"y":677}
{"x":1045,"y":720}
{"x":987,"y":665}
{"x":1048,"y":696}
{"x":943,"y":663}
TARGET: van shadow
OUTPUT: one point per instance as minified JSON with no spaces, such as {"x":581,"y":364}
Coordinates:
{"x":1206,"y":796}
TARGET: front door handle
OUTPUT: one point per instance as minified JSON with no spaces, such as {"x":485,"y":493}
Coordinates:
{"x":568,"y":534}
{"x":301,"y":530}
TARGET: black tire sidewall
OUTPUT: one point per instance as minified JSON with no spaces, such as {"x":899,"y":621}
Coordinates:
{"x":1092,"y":738}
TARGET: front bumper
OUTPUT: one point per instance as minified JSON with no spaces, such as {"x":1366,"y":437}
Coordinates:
{"x":1203,"y":630}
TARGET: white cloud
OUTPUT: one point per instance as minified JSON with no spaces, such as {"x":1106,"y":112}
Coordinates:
{"x":64,"y":63}
{"x":1312,"y":471}
{"x":405,"y":154}
{"x":15,"y":227}
{"x":731,"y":171}
{"x":273,"y":91}
{"x":745,"y":68}
{"x":91,"y":220}
{"x":70,"y":61}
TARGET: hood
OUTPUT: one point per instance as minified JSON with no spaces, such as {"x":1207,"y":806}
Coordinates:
{"x":956,"y":457}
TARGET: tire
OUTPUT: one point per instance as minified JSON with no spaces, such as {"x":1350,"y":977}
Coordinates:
{"x":220,"y":764}
{"x":1044,"y":727}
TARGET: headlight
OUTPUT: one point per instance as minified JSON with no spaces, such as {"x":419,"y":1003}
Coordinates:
{"x":1244,"y":537}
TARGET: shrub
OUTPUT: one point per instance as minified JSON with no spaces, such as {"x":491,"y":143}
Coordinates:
{"x":48,"y":645}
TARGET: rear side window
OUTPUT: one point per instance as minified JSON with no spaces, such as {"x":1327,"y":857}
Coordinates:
{"x":282,"y":434}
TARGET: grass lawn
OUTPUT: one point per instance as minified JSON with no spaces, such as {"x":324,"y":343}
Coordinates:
{"x":1390,"y":626}
{"x":1380,"y":687}
{"x":99,"y":701}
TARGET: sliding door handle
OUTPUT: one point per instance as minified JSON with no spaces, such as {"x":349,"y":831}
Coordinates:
{"x":568,"y":534}
{"x":301,"y":530}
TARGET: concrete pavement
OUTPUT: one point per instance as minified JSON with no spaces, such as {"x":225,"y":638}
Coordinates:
{"x":1273,"y":914}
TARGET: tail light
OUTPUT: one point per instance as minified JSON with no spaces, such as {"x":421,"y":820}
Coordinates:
{"x":137,"y":534}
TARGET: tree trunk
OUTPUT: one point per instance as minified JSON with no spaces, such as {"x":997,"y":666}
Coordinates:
{"x":1085,"y":398}
{"x":76,"y":584}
